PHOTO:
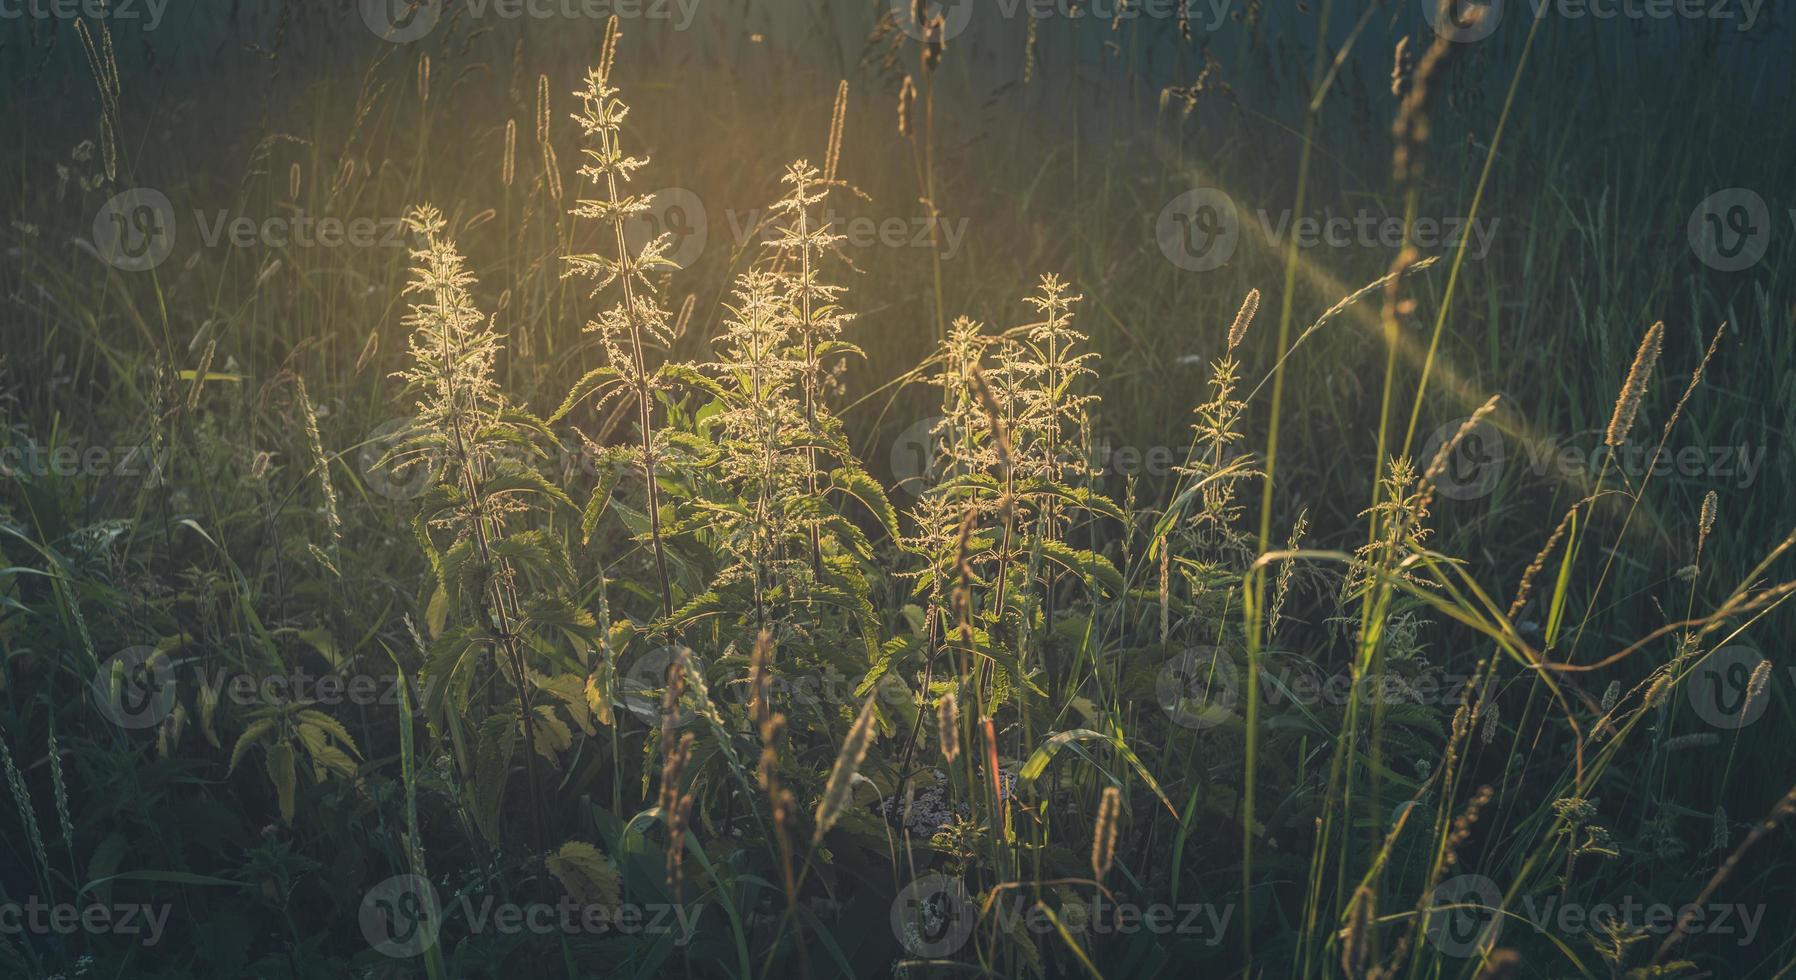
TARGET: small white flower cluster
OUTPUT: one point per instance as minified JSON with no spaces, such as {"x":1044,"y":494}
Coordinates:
{"x":928,"y":813}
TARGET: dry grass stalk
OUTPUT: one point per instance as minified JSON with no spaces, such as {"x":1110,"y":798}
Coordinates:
{"x":320,"y":463}
{"x":1410,"y":130}
{"x":1526,"y":588}
{"x":838,"y":123}
{"x":907,"y":104}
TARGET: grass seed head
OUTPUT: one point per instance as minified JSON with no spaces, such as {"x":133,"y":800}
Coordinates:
{"x":947,"y":723}
{"x":1244,"y":319}
{"x":1103,"y":836}
{"x":1627,"y":405}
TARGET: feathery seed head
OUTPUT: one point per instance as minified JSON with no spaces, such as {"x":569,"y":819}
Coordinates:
{"x":1706,"y":521}
{"x":1244,"y":319}
{"x":1627,"y":406}
{"x":947,"y":723}
{"x":1103,"y":837}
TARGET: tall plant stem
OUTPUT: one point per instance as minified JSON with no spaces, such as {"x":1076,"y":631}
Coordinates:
{"x":1256,"y":585}
{"x":645,"y":406}
{"x":499,"y":587}
{"x":811,"y":368}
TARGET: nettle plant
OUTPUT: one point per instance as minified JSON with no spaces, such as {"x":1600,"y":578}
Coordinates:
{"x":751,"y":646}
{"x":751,"y":517}
{"x":511,"y":652}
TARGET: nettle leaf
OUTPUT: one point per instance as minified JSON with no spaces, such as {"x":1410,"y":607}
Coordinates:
{"x":585,"y":388}
{"x":700,"y":452}
{"x":512,"y":478}
{"x":1085,"y":499}
{"x":833,"y":347}
{"x":319,"y":640}
{"x":702,"y":604}
{"x":437,"y":502}
{"x":587,"y":875}
{"x":691,"y":376}
{"x":891,"y":652}
{"x":325,"y":757}
{"x":526,"y":424}
{"x":436,"y":615}
{"x":570,"y":690}
{"x":551,"y":735}
{"x":329,"y":725}
{"x":492,"y":769}
{"x":460,"y":564}
{"x":968,"y":485}
{"x":537,"y":555}
{"x":848,"y":534}
{"x":281,"y":772}
{"x":449,"y":671}
{"x":556,"y":612}
{"x":1087,"y":565}
{"x":601,"y":500}
{"x":856,"y":482}
{"x":256,"y":731}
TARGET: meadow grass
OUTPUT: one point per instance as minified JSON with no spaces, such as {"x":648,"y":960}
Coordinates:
{"x":798,"y":594}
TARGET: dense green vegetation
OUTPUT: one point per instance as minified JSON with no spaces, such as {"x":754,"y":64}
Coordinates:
{"x":1034,"y":496}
